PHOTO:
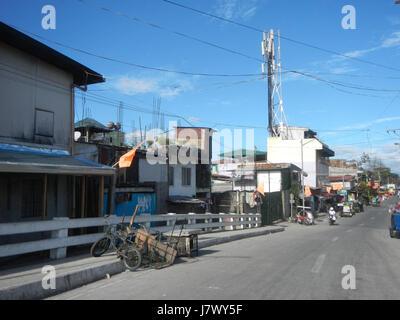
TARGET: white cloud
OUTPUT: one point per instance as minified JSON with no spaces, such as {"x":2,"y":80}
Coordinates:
{"x":339,"y":64}
{"x":388,"y":153}
{"x":163,"y":87}
{"x":193,"y":119}
{"x":394,"y":20}
{"x":392,"y":41}
{"x":132,"y":86}
{"x":236,"y":9}
{"x":370,"y":123}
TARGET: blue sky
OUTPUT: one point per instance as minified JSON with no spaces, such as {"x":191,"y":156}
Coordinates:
{"x":349,"y":122}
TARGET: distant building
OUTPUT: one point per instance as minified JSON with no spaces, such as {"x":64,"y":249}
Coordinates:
{"x":345,"y":182}
{"x":93,"y":131}
{"x":302,"y":148}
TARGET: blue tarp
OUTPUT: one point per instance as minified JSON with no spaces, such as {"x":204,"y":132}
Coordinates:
{"x":146,"y":202}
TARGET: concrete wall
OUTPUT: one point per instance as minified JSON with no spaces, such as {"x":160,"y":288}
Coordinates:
{"x":289,"y":151}
{"x":335,"y":171}
{"x":87,"y":151}
{"x":34,"y":94}
{"x":177,"y":189}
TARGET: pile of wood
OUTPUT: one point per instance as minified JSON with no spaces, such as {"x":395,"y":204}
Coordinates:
{"x":154,"y":249}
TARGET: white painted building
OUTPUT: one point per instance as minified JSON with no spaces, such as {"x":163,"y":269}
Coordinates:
{"x":305,"y":151}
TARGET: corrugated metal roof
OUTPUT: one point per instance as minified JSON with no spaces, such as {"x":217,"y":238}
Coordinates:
{"x":91,"y":123}
{"x":242,"y":153}
{"x":37,"y":161}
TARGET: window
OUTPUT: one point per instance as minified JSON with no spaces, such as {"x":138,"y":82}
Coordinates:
{"x":44,"y":123}
{"x":171,"y":176}
{"x":186,"y":175}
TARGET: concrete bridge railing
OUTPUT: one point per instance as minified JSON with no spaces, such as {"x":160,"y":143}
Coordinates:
{"x":60,"y":240}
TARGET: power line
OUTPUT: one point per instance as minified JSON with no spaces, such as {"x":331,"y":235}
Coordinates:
{"x":135,"y":64}
{"x":347,"y":85}
{"x":330,"y":83}
{"x":115,"y":103}
{"x":282,"y":37}
{"x":169,"y":30}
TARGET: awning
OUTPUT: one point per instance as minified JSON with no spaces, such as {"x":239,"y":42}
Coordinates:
{"x":28,"y":160}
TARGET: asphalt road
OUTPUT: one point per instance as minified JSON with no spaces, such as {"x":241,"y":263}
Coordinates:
{"x":303,"y":262}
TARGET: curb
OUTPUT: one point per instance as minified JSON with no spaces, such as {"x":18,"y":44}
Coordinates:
{"x":34,"y":290}
{"x":215,"y":241}
{"x":66,"y":282}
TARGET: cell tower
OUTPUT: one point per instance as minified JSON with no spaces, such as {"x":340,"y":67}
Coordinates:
{"x":277,"y":123}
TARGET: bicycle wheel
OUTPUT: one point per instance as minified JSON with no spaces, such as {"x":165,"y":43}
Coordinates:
{"x":132,"y":258}
{"x":100,"y":247}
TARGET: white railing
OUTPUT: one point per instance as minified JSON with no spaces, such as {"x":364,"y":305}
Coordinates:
{"x":59,"y":227}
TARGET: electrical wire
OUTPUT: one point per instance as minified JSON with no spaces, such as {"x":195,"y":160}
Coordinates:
{"x":169,"y":30}
{"x":282,"y":37}
{"x":134,"y":64}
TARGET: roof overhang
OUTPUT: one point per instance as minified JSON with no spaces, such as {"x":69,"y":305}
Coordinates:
{"x":82,"y":75}
{"x":52,"y":163}
{"x":326,"y":152}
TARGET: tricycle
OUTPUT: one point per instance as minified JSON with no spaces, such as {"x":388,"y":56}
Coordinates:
{"x":375,"y":202}
{"x":394,"y":229}
{"x":347,"y":210}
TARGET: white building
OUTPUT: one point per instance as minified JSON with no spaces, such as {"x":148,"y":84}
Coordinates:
{"x":303,"y":149}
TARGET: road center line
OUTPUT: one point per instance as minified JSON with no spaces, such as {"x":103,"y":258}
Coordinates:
{"x":350,"y":230}
{"x":318,"y":264}
{"x":335,"y":239}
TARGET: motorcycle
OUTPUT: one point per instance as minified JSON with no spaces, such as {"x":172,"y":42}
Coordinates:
{"x":307,"y":219}
{"x":332,"y":220}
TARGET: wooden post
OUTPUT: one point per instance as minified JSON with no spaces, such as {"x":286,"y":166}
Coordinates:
{"x":73,"y":213}
{"x":101,"y":196}
{"x":44,"y":204}
{"x":83,"y":201}
{"x":83,"y":196}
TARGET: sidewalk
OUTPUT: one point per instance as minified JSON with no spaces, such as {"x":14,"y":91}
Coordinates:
{"x":26,"y":282}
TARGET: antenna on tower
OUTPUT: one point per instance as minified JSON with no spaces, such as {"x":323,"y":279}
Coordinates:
{"x":120,"y":118}
{"x":277,"y":122}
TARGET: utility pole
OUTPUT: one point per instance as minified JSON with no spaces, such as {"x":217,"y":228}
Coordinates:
{"x":270,"y":55}
{"x":277,"y":123}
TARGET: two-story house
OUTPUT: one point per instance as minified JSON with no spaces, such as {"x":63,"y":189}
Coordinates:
{"x":40,"y":178}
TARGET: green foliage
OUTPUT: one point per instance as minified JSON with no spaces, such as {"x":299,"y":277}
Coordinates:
{"x":295,"y":189}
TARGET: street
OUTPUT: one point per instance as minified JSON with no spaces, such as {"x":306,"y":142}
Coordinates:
{"x":303,"y":262}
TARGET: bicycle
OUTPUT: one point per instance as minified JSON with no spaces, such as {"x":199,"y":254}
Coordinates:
{"x":122,"y":243}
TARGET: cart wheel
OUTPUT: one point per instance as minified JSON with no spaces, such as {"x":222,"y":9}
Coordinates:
{"x":100,"y":247}
{"x":132,"y":258}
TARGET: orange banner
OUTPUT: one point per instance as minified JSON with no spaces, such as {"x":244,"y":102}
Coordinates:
{"x":126,"y":160}
{"x":260,"y":187}
{"x":307,"y":191}
{"x":337,"y":186}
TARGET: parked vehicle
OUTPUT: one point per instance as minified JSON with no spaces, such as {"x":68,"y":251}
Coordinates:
{"x":308,"y":218}
{"x":122,"y":244}
{"x":347,"y":210}
{"x":394,"y":229}
{"x":375,"y":202}
{"x":356,"y":207}
{"x":305,"y":217}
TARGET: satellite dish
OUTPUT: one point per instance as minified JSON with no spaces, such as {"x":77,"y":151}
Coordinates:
{"x":77,"y":135}
{"x":110,"y":124}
